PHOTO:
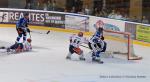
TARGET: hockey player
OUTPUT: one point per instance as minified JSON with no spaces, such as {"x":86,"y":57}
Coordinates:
{"x":75,"y":42}
{"x":97,"y":45}
{"x":20,"y":47}
{"x":22,"y":27}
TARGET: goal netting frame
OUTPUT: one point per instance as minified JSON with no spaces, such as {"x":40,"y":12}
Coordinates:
{"x":130,"y":55}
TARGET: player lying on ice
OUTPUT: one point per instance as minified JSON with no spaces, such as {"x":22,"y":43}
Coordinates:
{"x":20,"y":46}
{"x":75,"y":42}
{"x":97,"y":45}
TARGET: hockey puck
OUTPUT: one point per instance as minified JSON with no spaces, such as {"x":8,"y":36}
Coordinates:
{"x":48,"y":32}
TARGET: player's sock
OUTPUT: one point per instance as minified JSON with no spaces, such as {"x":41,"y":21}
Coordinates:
{"x":24,"y":38}
{"x":18,"y":38}
{"x":69,"y":56}
{"x":98,"y":54}
{"x":81,"y":57}
{"x":8,"y":49}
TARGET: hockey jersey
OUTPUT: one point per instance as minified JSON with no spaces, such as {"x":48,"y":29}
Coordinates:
{"x":27,"y":46}
{"x":22,"y":23}
{"x":96,"y":37}
{"x":76,"y":41}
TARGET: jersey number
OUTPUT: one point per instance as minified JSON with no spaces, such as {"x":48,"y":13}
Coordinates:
{"x":77,"y":41}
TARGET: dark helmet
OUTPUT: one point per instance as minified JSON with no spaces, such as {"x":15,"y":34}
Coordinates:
{"x":29,"y":40}
{"x":26,"y":14}
{"x":100,"y":29}
{"x":80,"y":34}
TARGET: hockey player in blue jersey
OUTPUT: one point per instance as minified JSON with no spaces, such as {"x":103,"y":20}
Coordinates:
{"x":97,"y":45}
{"x":22,"y":27}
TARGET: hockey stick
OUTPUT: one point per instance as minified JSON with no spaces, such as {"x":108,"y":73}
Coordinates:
{"x":2,"y":47}
{"x":85,"y":46}
{"x":112,"y":52}
{"x":36,"y":32}
{"x":41,"y":32}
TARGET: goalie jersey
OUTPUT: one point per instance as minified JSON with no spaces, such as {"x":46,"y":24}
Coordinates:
{"x":96,"y":37}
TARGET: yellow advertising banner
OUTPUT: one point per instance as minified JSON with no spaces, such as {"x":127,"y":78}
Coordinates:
{"x":143,"y":33}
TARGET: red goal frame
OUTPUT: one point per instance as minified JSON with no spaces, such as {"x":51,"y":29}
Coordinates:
{"x":129,"y":43}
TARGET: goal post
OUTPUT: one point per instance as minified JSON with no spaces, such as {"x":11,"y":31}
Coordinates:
{"x":120,"y":44}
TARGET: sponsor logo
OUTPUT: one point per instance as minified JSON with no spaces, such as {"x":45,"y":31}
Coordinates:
{"x":3,"y":16}
{"x":107,"y":26}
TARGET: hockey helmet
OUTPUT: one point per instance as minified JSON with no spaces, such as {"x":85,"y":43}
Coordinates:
{"x":26,"y":14}
{"x":29,"y":40}
{"x":100,"y":29}
{"x":80,"y":34}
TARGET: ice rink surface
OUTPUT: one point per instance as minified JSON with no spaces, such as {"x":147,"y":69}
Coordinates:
{"x":47,"y":63}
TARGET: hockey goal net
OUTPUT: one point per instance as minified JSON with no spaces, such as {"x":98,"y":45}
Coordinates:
{"x":120,"y":44}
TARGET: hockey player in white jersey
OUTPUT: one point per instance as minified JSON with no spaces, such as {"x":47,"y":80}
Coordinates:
{"x":97,"y":45}
{"x":75,"y":42}
{"x":20,"y":47}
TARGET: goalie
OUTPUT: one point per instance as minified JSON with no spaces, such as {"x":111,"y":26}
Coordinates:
{"x":97,"y":45}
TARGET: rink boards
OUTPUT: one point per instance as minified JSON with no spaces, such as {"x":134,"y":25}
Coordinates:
{"x":68,"y":31}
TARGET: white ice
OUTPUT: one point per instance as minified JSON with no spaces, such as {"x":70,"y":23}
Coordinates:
{"x":47,"y":63}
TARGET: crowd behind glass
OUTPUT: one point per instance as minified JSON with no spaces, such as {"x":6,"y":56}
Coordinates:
{"x":77,"y":7}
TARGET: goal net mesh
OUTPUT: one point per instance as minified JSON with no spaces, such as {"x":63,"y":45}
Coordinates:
{"x":120,"y":44}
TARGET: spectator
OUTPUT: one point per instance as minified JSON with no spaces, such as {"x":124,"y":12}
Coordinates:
{"x":126,"y":17}
{"x":87,"y":10}
{"x":45,"y":7}
{"x":50,"y":5}
{"x":54,"y":5}
{"x":39,"y":6}
{"x":78,"y":5}
{"x":65,"y":10}
{"x":73,"y":10}
{"x":104,"y":13}
{"x":97,"y":12}
{"x":144,"y":20}
{"x":112,"y":14}
{"x":134,"y":19}
{"x":82,"y":11}
{"x":118,"y":16}
{"x":28,"y":5}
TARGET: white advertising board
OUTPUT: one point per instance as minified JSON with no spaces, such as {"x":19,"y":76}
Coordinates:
{"x":3,"y":16}
{"x":110,"y":24}
{"x":77,"y":22}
